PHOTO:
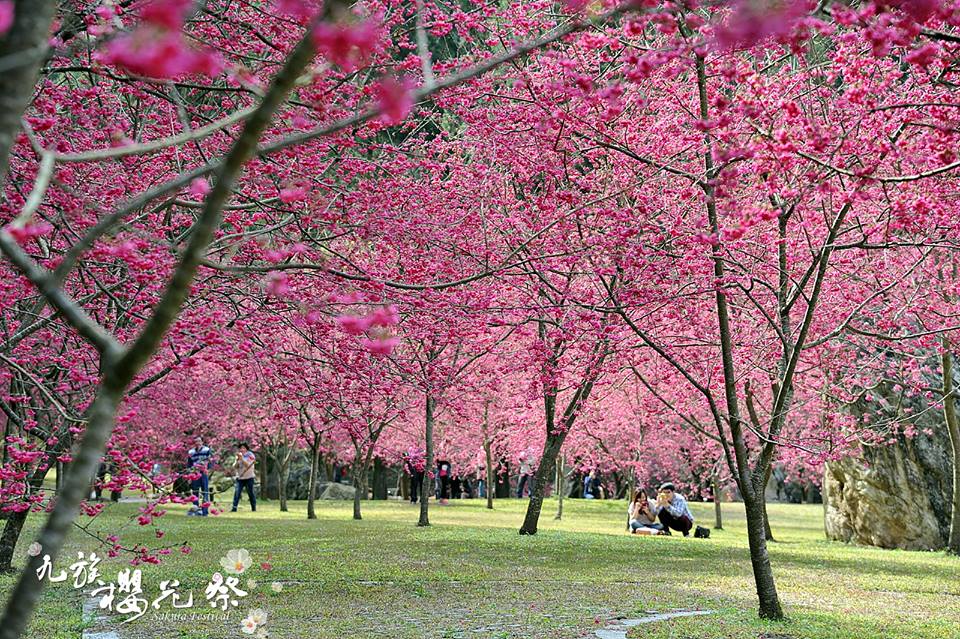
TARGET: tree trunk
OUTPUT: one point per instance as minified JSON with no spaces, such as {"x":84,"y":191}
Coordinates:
{"x":312,"y":487}
{"x":620,"y":486}
{"x":760,"y":559}
{"x":359,"y":489}
{"x":8,"y":542}
{"x":25,"y":40}
{"x":425,"y":487}
{"x":753,"y":506}
{"x":264,"y":479}
{"x":16,"y":520}
{"x":503,"y":480}
{"x":361,"y":467}
{"x":552,"y":446}
{"x":379,"y":479}
{"x":282,"y":475}
{"x":548,"y":461}
{"x":717,"y":508}
{"x":953,"y":427}
{"x":559,"y":489}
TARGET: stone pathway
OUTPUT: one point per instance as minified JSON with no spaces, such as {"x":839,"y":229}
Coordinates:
{"x":99,"y":623}
{"x":618,"y":628}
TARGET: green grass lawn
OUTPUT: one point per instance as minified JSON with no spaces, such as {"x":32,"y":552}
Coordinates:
{"x":472,"y":575}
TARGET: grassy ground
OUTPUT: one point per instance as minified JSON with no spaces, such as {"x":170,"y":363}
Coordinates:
{"x":471,"y":575}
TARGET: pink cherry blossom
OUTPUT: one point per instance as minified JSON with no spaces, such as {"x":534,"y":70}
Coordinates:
{"x":348,"y":45}
{"x":200,"y":188}
{"x":395,"y":99}
{"x":6,"y":15}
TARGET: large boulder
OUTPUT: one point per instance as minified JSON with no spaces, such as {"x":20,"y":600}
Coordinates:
{"x":298,"y":481}
{"x":337,"y":491}
{"x":894,"y":496}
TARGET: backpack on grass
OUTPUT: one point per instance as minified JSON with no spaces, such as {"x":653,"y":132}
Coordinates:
{"x":701,"y":532}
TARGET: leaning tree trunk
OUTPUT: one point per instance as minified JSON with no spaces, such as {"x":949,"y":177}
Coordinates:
{"x":8,"y":541}
{"x":548,"y":460}
{"x":16,"y":520}
{"x":359,"y":489}
{"x":760,"y":559}
{"x":379,"y":479}
{"x":312,"y":486}
{"x":953,"y":427}
{"x":360,"y":470}
{"x":425,"y":487}
{"x":717,"y":508}
{"x":559,"y":488}
{"x":552,"y":446}
{"x":282,"y":476}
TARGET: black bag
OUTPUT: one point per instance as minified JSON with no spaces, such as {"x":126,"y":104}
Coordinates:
{"x":701,"y":532}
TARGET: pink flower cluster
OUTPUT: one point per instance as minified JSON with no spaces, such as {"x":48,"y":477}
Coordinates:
{"x":395,"y":99}
{"x":376,"y":325}
{"x":347,"y":45}
{"x":752,"y":21}
{"x":157,"y":48}
{"x":302,"y":9}
{"x":27,"y":232}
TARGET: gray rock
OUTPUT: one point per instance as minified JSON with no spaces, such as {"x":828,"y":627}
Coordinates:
{"x":895,"y":496}
{"x":298,"y":480}
{"x":338,"y":491}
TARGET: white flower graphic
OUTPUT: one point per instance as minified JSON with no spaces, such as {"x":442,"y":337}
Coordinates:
{"x":248,"y":626}
{"x":258,"y":615}
{"x":276,"y":586}
{"x":252,"y":584}
{"x":35,"y":549}
{"x":237,"y":561}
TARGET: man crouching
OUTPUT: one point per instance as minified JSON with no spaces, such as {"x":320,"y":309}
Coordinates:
{"x":673,"y":511}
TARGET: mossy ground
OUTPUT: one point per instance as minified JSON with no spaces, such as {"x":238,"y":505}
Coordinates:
{"x":471,"y":575}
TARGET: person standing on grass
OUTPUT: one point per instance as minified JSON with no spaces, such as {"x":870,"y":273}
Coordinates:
{"x":526,"y":477}
{"x":199,"y":459}
{"x":245,"y":476}
{"x":673,"y":510}
{"x":443,"y":476}
{"x":414,"y":463}
{"x":482,"y":481}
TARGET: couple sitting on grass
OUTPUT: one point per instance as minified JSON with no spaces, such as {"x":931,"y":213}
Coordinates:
{"x":669,"y":506}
